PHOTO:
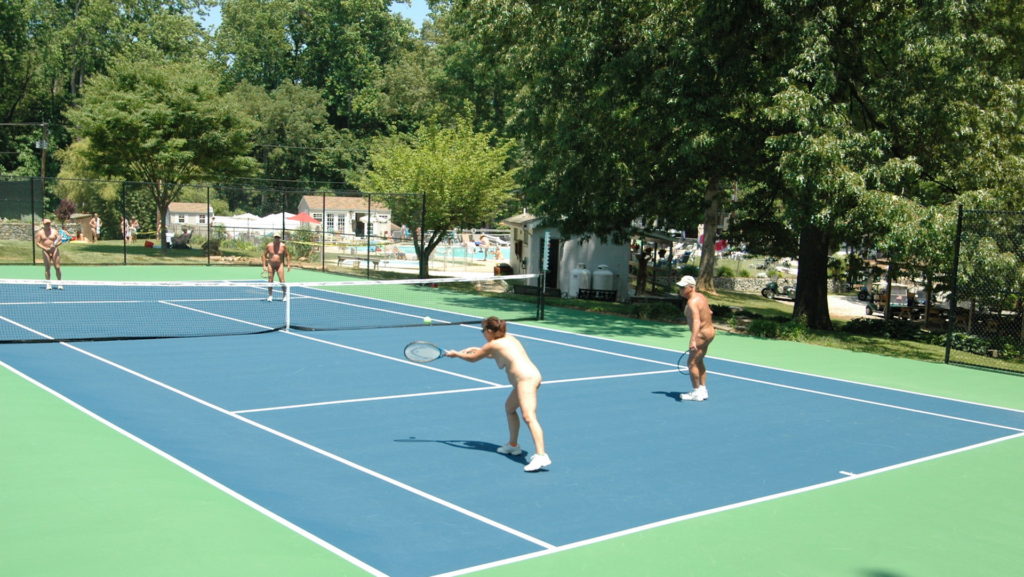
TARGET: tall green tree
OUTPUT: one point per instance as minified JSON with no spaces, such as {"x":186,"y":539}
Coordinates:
{"x":889,"y":99}
{"x":342,"y":47}
{"x":253,"y":42}
{"x":163,"y":123}
{"x":633,"y":116}
{"x":51,"y":47}
{"x":460,"y":173}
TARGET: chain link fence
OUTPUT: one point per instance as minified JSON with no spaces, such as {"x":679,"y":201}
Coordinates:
{"x":114,"y":222}
{"x":986,"y":329}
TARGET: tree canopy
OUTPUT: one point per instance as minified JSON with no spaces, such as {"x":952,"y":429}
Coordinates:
{"x":812,"y":125}
{"x":442,"y":178}
{"x":163,"y":123}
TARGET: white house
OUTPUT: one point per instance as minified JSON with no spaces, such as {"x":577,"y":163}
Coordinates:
{"x":606,"y":262}
{"x":348,"y":215}
{"x":191,"y":215}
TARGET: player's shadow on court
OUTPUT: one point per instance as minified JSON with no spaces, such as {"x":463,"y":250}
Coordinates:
{"x":473,"y":445}
{"x":674,"y":395}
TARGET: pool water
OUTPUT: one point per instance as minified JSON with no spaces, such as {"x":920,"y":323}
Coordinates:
{"x":459,"y":252}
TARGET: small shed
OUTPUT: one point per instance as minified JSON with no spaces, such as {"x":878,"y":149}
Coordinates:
{"x":565,"y":257}
{"x":84,"y":226}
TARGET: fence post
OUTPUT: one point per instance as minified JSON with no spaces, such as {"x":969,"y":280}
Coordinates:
{"x":124,"y":223}
{"x":953,"y":309}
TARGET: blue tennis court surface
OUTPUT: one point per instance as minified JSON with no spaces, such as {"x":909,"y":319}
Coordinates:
{"x":392,"y":464}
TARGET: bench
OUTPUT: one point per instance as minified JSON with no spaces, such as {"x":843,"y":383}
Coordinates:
{"x":598,"y":295}
{"x":357,"y":261}
{"x":532,"y":291}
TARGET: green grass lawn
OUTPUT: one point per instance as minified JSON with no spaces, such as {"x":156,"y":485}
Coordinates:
{"x":747,"y":305}
{"x":107,"y":252}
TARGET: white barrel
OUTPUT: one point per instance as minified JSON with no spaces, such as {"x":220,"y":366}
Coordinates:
{"x":579,"y":279}
{"x":604,"y":278}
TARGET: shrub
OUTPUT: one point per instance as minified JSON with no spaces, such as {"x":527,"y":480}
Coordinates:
{"x":764,"y":328}
{"x":722,"y":312}
{"x":794,"y":329}
{"x":689,"y":269}
{"x":970,"y":343}
{"x":892,"y":329}
{"x":657,"y":312}
{"x":778,"y":328}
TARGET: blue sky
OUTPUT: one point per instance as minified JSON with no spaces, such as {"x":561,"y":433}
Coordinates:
{"x":417,"y":13}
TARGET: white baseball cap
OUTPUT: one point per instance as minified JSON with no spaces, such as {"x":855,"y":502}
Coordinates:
{"x":687,"y":281}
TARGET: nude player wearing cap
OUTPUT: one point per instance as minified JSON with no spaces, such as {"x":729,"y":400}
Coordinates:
{"x":702,"y":332}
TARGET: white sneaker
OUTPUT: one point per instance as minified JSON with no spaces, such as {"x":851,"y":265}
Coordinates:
{"x":698,"y":394}
{"x":285,"y":299}
{"x":48,"y":287}
{"x":60,"y":287}
{"x":510,"y":450}
{"x":270,"y":298}
{"x":537,"y":462}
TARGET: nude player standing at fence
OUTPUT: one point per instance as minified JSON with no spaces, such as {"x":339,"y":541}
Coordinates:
{"x":276,"y":259}
{"x":48,"y":240}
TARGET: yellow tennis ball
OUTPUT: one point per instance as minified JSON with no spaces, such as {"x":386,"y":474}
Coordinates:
{"x":427,"y":320}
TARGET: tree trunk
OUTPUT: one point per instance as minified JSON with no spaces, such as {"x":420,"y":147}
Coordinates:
{"x":712,"y":207}
{"x":161,"y":214}
{"x":812,"y":279}
{"x":422,"y":256}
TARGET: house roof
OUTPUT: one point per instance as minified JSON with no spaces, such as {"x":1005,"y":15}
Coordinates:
{"x":190,"y":207}
{"x":525,"y":220}
{"x":660,"y":235}
{"x":342,"y":203}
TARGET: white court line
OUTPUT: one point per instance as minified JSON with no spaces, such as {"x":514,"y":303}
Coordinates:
{"x":319,"y":451}
{"x":257,"y":325}
{"x":867,"y":402}
{"x":775,"y":384}
{"x":548,"y":549}
{"x":428,"y":394}
{"x":770,"y":368}
{"x":365,"y":399}
{"x":639,"y":529}
{"x":202,"y":476}
{"x":602,"y":377}
{"x":309,"y":446}
{"x":21,"y":326}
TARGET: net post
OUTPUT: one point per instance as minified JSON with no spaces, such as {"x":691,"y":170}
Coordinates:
{"x":32,"y":208}
{"x":545,"y":265}
{"x":209,"y":227}
{"x":323,"y":230}
{"x":953,"y":298}
{"x":124,"y":223}
{"x":287,"y":306}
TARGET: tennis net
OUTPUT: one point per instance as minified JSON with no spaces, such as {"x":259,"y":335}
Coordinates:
{"x":89,"y":311}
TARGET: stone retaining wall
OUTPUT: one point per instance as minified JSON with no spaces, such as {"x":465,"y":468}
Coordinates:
{"x":15,"y":231}
{"x":754,"y":285}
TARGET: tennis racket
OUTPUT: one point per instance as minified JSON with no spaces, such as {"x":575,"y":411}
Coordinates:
{"x":423,"y":352}
{"x":681,"y":364}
